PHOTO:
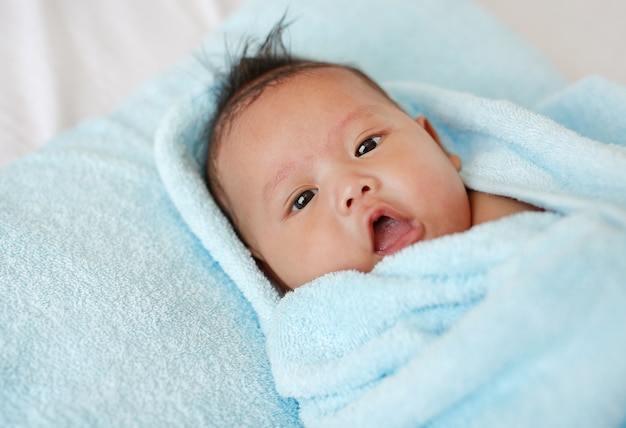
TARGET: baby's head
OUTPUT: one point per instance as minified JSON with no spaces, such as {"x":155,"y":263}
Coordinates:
{"x":319,"y":170}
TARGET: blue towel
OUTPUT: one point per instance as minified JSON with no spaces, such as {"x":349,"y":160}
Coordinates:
{"x":114,"y":309}
{"x":517,"y":322}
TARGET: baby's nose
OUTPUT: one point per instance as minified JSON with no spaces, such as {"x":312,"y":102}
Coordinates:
{"x":351,"y":188}
{"x":350,"y":198}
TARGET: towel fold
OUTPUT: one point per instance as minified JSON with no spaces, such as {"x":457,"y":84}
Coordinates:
{"x":517,"y":322}
{"x":512,"y":151}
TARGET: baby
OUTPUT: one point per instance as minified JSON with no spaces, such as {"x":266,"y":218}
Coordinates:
{"x":319,"y":170}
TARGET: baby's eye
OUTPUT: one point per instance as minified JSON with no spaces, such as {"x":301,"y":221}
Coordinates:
{"x":367,"y":146}
{"x":303,"y":199}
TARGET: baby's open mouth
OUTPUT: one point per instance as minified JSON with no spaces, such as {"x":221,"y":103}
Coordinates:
{"x":391,"y":234}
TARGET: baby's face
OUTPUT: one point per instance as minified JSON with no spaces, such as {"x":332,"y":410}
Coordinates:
{"x":323,"y":173}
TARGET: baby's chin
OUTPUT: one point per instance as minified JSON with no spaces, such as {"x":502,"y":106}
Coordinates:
{"x":363,"y":266}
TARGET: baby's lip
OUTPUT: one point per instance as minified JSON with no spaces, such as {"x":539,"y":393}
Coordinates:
{"x":391,"y":232}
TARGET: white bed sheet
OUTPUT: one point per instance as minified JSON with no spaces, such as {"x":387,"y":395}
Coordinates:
{"x":66,"y":60}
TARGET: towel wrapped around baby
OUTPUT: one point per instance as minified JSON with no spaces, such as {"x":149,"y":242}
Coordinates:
{"x":516,"y":322}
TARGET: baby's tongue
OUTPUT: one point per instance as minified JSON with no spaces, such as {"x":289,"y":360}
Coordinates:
{"x":387,"y":231}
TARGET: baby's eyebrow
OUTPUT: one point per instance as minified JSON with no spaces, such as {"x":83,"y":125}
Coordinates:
{"x":361,"y":112}
{"x":279,"y":177}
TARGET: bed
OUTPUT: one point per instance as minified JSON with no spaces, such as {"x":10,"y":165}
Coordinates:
{"x":113,"y":312}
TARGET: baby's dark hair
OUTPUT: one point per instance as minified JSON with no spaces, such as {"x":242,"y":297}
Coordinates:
{"x":247,"y":76}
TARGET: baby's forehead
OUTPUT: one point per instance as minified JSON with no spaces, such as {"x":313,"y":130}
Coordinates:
{"x":303,"y":96}
{"x":257,"y":91}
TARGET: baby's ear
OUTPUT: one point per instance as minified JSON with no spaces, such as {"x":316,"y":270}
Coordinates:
{"x":428,"y":127}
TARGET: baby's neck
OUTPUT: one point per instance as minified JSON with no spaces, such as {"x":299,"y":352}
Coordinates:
{"x":487,"y":207}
